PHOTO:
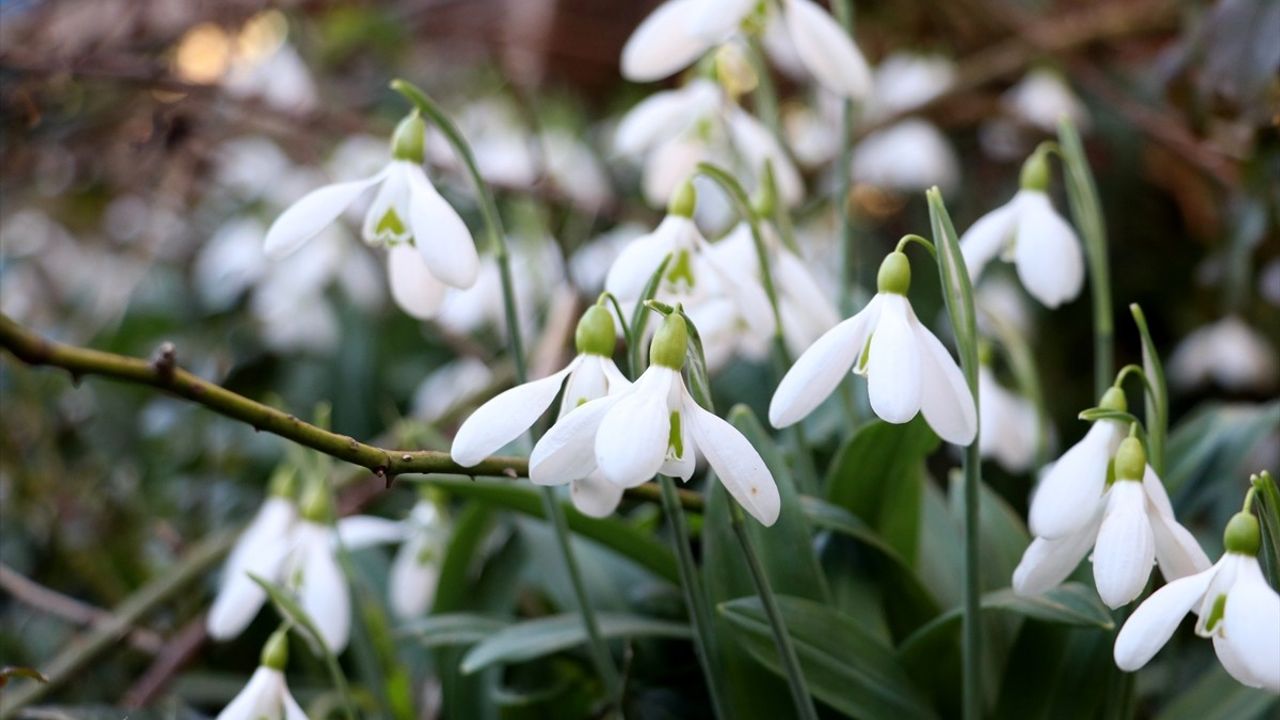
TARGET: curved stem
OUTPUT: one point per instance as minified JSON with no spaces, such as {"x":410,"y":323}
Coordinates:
{"x":850,"y":261}
{"x":497,"y":238}
{"x":913,"y":238}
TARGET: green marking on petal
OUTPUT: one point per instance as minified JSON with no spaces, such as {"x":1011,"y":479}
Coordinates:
{"x":1215,"y":614}
{"x":681,"y":269}
{"x":675,"y":440}
{"x":581,"y":401}
{"x":862,"y":360}
{"x":390,"y":224}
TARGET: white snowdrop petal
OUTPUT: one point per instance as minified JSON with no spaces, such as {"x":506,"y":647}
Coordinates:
{"x":594,"y":496}
{"x":362,"y":531}
{"x":393,"y":194}
{"x":1233,"y":662}
{"x":240,"y":598}
{"x":663,"y":43}
{"x":439,"y":234}
{"x":893,"y":367}
{"x":292,"y":711}
{"x":412,"y":582}
{"x":818,"y":371}
{"x":259,"y":698}
{"x":637,"y":262}
{"x":826,"y":49}
{"x":587,"y":382}
{"x":1251,"y":625}
{"x":987,"y":237}
{"x":757,"y":144}
{"x":631,"y":443}
{"x":946,"y":400}
{"x":506,"y":417}
{"x":1046,"y":251}
{"x":717,"y":19}
{"x":737,"y":464}
{"x":323,"y":593}
{"x":567,"y":451}
{"x":313,"y":213}
{"x":413,"y":287}
{"x":1047,"y":563}
{"x":1154,"y":621}
{"x":1125,"y":550}
{"x":1068,"y":495}
{"x":1177,"y":551}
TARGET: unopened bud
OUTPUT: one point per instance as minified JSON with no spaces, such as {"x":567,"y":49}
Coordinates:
{"x":1243,"y":534}
{"x":284,"y":482}
{"x":408,"y":142}
{"x":315,"y":503}
{"x":895,"y":274}
{"x":1114,"y":399}
{"x":275,"y":654}
{"x":670,"y":342}
{"x":1035,"y":172}
{"x":596,"y":334}
{"x":683,"y":200}
{"x":1131,"y":460}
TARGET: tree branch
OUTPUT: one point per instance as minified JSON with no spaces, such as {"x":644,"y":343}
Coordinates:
{"x":163,"y":373}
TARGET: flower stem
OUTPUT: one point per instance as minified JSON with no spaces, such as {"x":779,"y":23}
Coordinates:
{"x":497,"y":238}
{"x":850,"y":262}
{"x":781,"y":638}
{"x":695,"y":598}
{"x":1156,"y":405}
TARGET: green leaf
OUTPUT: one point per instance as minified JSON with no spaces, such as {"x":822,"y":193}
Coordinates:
{"x":878,"y":474}
{"x":787,"y":554}
{"x":547,"y":635}
{"x":1095,"y":414}
{"x":610,"y":532}
{"x":1156,"y":399}
{"x":1267,"y":502}
{"x":451,"y":629}
{"x":1212,"y":442}
{"x":956,"y":287}
{"x":846,"y":667}
{"x":1218,"y":696}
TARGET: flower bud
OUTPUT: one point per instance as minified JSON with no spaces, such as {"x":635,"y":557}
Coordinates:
{"x":1242,"y":535}
{"x":284,"y":483}
{"x":275,"y":654}
{"x":895,"y":274}
{"x":595,"y":334}
{"x":683,"y":200}
{"x":408,"y":142}
{"x":1035,"y":172}
{"x":1131,"y":460}
{"x":1114,"y":399}
{"x":670,"y":342}
{"x":315,"y":503}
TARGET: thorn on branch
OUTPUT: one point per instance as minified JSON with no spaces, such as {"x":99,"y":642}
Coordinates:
{"x":509,"y":472}
{"x":165,"y":361}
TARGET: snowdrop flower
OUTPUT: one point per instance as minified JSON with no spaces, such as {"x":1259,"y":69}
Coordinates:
{"x":576,"y":171}
{"x":1131,"y":526}
{"x":537,"y":269}
{"x":908,"y":370}
{"x":449,"y":386}
{"x":1010,"y":424}
{"x":407,"y":213}
{"x":415,"y":571}
{"x":589,"y":376}
{"x":1042,"y":98}
{"x":729,"y":310}
{"x":674,"y":130}
{"x":906,"y":80}
{"x":681,"y":31}
{"x":279,"y":78}
{"x":266,"y":696}
{"x":589,"y":264}
{"x":1227,"y":352}
{"x":655,"y":426}
{"x":806,"y":311}
{"x":1031,"y":234}
{"x":504,"y":152}
{"x":1235,"y":605}
{"x":907,"y":156}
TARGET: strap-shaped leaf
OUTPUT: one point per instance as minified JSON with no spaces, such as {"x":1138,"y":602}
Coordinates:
{"x":544,"y":636}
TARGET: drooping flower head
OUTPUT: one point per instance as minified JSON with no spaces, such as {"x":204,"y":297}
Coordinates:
{"x":1010,"y":423}
{"x":266,"y":696}
{"x":1235,"y":607}
{"x":653,"y":426}
{"x":907,"y":368}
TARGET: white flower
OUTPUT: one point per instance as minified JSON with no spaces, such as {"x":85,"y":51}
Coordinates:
{"x":806,"y":311}
{"x":264,"y":697}
{"x":537,"y":270}
{"x":1010,"y":424}
{"x":589,"y":376}
{"x":415,"y":571}
{"x":576,"y":171}
{"x":908,"y":370}
{"x":449,"y":386}
{"x":1066,"y":500}
{"x":279,"y":78}
{"x":655,"y":426}
{"x":260,"y":550}
{"x":906,"y":156}
{"x":1031,"y":234}
{"x":590,"y":263}
{"x":674,"y":130}
{"x":826,"y":49}
{"x":504,"y":153}
{"x":1130,"y":527}
{"x":1236,"y":607}
{"x":730,"y":310}
{"x":1227,"y":352}
{"x":1042,"y":98}
{"x":906,"y":80}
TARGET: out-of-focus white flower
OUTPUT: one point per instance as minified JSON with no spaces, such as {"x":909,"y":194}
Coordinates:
{"x":1269,"y":282}
{"x":1227,"y":352}
{"x":260,"y":550}
{"x":1041,"y":98}
{"x":1130,"y":527}
{"x":906,"y":80}
{"x":907,"y":156}
{"x":280,"y":79}
{"x":415,"y":571}
{"x":731,"y":311}
{"x":266,"y":696}
{"x":1029,"y":232}
{"x":999,"y":300}
{"x":655,"y":426}
{"x":230,"y":263}
{"x":503,"y":149}
{"x":907,"y":368}
{"x":674,"y":130}
{"x":1010,"y":424}
{"x":536,"y":270}
{"x":806,"y":312}
{"x":251,"y":167}
{"x":589,"y":264}
{"x":448,"y":386}
{"x":1235,"y":605}
{"x":575,"y":171}
{"x":1067,"y":497}
{"x":589,"y":376}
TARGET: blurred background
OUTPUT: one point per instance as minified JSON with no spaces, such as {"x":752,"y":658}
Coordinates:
{"x":147,"y":144}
